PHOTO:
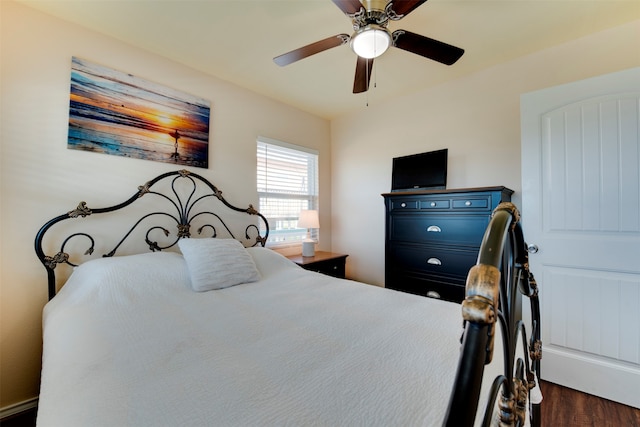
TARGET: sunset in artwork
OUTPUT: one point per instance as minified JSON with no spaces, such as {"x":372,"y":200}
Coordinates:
{"x":112,"y":112}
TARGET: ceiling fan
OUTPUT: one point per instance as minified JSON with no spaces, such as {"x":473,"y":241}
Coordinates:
{"x":372,"y":38}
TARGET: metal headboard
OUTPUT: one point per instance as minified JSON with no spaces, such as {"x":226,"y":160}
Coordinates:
{"x":182,"y":208}
{"x":494,"y":286}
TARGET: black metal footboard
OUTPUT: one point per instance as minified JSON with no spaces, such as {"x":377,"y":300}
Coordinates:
{"x":493,"y":293}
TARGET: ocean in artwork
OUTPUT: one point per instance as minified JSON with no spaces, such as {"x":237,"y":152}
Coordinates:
{"x":115,"y":113}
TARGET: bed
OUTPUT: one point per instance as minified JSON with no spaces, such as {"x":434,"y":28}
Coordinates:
{"x":207,"y":326}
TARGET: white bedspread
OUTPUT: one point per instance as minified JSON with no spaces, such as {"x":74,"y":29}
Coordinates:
{"x":295,"y":348}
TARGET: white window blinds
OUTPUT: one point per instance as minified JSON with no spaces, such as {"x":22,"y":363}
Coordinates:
{"x":287,"y":181}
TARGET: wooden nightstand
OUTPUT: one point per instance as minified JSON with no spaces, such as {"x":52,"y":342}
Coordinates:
{"x":323,"y":262}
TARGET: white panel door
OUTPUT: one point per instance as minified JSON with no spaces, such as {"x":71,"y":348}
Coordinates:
{"x":581,"y":208}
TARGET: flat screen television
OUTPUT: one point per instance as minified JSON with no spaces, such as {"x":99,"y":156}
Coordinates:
{"x":424,"y":171}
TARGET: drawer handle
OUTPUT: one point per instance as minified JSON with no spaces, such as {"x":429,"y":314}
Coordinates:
{"x":432,"y":204}
{"x":403,"y":205}
{"x":433,"y":294}
{"x":467,"y":203}
{"x":434,"y":229}
{"x":434,"y":261}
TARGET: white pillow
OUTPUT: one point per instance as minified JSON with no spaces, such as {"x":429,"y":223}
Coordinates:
{"x":217,"y":263}
{"x":126,"y":277}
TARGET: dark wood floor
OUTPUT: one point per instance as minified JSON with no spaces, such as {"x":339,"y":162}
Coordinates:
{"x":562,"y":407}
{"x":25,"y":419}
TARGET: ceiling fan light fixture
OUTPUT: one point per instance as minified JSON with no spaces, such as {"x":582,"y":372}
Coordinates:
{"x":371,"y":41}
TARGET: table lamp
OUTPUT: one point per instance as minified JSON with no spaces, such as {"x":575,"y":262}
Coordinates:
{"x":308,"y":219}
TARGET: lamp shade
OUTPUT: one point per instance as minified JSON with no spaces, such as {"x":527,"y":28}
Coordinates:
{"x":308,"y":219}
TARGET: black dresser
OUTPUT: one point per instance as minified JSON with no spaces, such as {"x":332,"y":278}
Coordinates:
{"x":433,"y":238}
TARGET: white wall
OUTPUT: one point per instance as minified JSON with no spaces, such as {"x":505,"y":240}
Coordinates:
{"x":476,"y":117}
{"x":41,"y":178}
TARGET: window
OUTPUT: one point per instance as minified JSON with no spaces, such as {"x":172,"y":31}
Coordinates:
{"x":287,"y":183}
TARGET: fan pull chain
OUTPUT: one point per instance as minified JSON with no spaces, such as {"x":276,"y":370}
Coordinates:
{"x":375,"y":78}
{"x":367,"y":80}
{"x":375,"y":81}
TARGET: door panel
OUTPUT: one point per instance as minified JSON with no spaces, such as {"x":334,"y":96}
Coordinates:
{"x":581,"y":207}
{"x":594,"y":312}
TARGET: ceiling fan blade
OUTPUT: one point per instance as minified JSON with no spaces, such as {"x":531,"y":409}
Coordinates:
{"x":311,"y":49}
{"x":349,"y":7}
{"x":363,"y":75}
{"x":404,"y":7}
{"x":424,"y":46}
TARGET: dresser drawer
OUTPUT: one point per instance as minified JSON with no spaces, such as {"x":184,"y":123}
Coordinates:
{"x":446,"y":290}
{"x":404,"y":204}
{"x":451,"y":229}
{"x":475,"y":202}
{"x":323,"y":262}
{"x":334,"y":267}
{"x":433,"y":261}
{"x":434,"y":203}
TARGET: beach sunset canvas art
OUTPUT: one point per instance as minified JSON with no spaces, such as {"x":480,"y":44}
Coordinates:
{"x":112,"y":112}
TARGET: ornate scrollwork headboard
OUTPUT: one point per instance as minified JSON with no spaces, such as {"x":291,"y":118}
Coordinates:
{"x":181,"y":199}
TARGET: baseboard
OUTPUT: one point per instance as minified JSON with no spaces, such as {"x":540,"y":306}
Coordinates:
{"x":612,"y":380}
{"x":17,"y":408}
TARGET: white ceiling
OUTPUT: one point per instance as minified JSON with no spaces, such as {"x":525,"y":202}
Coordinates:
{"x":235,"y":40}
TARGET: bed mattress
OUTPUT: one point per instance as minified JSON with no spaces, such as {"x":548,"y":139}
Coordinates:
{"x":128,"y":343}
